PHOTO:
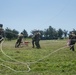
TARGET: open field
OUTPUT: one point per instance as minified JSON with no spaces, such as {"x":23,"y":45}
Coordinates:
{"x":54,"y":58}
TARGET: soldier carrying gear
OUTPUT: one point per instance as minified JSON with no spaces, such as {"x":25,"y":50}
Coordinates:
{"x":37,"y":39}
{"x":19,"y":40}
{"x":72,"y":38}
{"x":33,"y":40}
{"x":1,"y":33}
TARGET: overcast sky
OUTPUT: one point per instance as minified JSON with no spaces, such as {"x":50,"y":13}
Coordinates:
{"x":38,"y":14}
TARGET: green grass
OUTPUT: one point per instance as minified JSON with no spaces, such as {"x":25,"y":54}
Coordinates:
{"x":61,"y":62}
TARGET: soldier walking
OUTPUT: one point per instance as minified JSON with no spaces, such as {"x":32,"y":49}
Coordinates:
{"x":19,"y":40}
{"x":1,"y":33}
{"x":72,"y":40}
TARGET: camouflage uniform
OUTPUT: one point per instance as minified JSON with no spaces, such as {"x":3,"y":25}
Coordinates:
{"x":72,"y":38}
{"x":33,"y":41}
{"x":1,"y":33}
{"x":37,"y":39}
{"x":19,"y":40}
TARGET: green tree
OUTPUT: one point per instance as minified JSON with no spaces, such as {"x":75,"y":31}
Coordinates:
{"x":25,"y":33}
{"x":34,"y":31}
{"x":65,"y":33}
{"x":11,"y":34}
{"x":8,"y":33}
{"x":60,"y":33}
{"x":46,"y":33}
{"x":50,"y":33}
{"x":15,"y":33}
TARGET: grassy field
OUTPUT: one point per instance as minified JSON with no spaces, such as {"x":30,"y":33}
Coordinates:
{"x":54,"y":58}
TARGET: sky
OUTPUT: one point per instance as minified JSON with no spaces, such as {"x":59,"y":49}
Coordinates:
{"x":38,"y":14}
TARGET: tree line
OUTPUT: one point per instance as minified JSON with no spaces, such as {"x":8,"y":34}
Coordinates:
{"x":13,"y":34}
{"x":52,"y":33}
{"x":46,"y":34}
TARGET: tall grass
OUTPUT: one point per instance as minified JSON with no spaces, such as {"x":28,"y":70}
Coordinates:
{"x":49,"y":60}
